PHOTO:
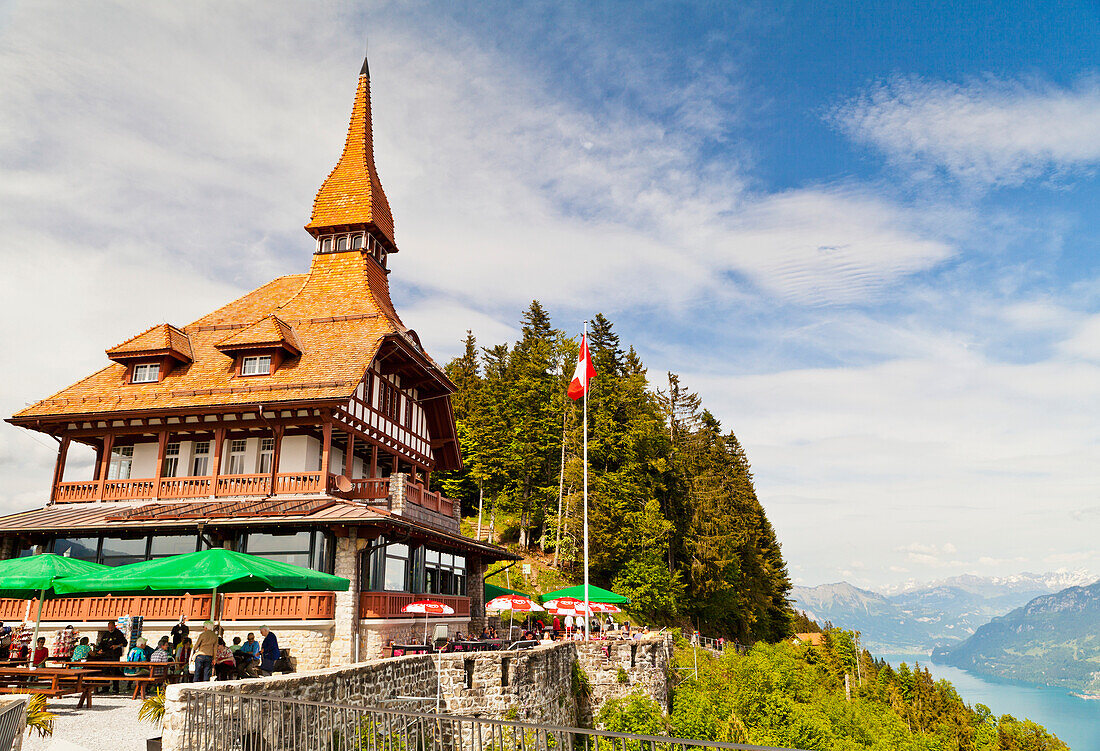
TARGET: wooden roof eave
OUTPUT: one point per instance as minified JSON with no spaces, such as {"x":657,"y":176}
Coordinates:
{"x":42,"y":423}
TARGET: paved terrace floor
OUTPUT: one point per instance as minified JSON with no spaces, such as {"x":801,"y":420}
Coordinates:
{"x":111,"y":724}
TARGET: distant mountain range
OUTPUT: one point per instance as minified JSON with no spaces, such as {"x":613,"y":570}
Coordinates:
{"x":919,"y":617}
{"x":1054,"y":639}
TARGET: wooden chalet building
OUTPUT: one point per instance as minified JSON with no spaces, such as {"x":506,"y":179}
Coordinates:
{"x":302,"y":421}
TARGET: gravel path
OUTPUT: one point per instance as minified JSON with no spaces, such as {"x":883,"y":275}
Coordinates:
{"x":110,"y":725}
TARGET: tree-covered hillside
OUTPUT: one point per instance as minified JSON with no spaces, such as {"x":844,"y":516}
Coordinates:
{"x":794,"y":696}
{"x":1054,"y":640}
{"x":674,"y":519}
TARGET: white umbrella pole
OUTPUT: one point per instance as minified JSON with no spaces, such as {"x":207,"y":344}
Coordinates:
{"x":37,"y":623}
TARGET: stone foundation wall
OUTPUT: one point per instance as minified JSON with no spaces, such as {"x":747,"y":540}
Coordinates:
{"x":532,"y":685}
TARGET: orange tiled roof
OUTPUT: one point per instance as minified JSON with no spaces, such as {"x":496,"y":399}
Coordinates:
{"x":270,"y":331}
{"x":340,"y":313}
{"x":352,"y":193}
{"x":161,"y":339}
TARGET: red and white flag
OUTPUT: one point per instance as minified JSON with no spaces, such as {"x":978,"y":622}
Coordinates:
{"x":578,"y":387}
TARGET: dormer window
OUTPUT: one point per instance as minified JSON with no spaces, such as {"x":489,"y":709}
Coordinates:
{"x":356,"y":242}
{"x":252,"y":365}
{"x":146,"y":373}
{"x":326,"y":244}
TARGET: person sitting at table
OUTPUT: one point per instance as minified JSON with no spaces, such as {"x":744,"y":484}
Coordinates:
{"x":81,"y":650}
{"x":161,"y":653}
{"x":41,"y":654}
{"x":485,"y":633}
{"x":235,"y":647}
{"x":136,"y":654}
{"x":225,"y":665}
{"x":20,"y":652}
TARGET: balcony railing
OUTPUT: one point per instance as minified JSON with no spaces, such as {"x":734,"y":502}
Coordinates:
{"x":389,"y":604}
{"x":228,"y":486}
{"x":191,"y":487}
{"x":240,"y":606}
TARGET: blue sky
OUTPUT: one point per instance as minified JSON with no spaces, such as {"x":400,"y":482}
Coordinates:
{"x":866,"y":233}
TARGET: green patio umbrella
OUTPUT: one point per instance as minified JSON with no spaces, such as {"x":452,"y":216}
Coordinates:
{"x":492,"y":592}
{"x":214,"y":569}
{"x":37,"y":576}
{"x":595,"y":594}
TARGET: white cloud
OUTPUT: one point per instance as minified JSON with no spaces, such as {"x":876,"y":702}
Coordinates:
{"x":987,"y":131}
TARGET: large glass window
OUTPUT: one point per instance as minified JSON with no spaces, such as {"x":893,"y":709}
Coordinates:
{"x":81,"y":548}
{"x":165,"y":545}
{"x":444,"y":573}
{"x":117,"y":551}
{"x":396,"y":576}
{"x":305,"y":548}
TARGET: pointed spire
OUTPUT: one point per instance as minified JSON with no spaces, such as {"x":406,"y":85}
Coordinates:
{"x":351,"y":196}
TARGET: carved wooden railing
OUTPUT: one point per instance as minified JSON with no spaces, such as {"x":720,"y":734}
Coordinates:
{"x":237,"y":606}
{"x":389,"y":604}
{"x":362,"y":489}
{"x":425,"y":498}
{"x":190,"y":487}
{"x":109,"y":607}
{"x":252,"y":606}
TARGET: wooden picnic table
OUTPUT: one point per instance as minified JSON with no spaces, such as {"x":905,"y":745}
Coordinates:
{"x":17,"y":680}
{"x":155,"y":672}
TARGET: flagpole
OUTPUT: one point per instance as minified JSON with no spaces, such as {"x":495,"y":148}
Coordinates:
{"x":587,"y":620}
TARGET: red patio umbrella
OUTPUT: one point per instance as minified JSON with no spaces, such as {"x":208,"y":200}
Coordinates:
{"x":512,"y":603}
{"x":428,"y":607}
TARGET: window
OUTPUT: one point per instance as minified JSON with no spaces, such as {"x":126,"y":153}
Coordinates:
{"x":200,"y":464}
{"x":165,"y":545}
{"x":396,"y":568}
{"x":444,"y":573}
{"x":256,"y":365}
{"x":122,"y":461}
{"x":146,"y":373}
{"x":326,"y":244}
{"x":267,"y":455}
{"x":408,"y":412}
{"x":305,"y":548}
{"x":342,"y":242}
{"x":389,"y":400}
{"x":171,"y":460}
{"x":117,"y":551}
{"x":356,"y":242}
{"x":236,"y":456}
{"x":81,"y":548}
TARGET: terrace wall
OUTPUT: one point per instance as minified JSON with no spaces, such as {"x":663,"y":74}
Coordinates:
{"x":533,"y":685}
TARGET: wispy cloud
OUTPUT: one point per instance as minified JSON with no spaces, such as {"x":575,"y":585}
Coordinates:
{"x":987,"y":131}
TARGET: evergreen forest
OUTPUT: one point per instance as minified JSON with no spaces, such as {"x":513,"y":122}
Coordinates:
{"x":674,"y":520}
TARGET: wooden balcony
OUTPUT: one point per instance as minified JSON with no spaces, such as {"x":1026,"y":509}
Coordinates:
{"x":389,"y":604}
{"x":420,"y":496}
{"x":191,"y":487}
{"x":239,"y":606}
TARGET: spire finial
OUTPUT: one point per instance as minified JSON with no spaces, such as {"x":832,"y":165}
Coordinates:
{"x":365,"y":71}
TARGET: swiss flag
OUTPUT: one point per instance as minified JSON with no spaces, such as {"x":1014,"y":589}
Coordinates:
{"x":584,"y":372}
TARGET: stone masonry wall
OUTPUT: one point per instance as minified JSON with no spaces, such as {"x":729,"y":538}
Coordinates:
{"x":532,"y":685}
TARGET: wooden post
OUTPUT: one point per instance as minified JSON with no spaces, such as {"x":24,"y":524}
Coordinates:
{"x":349,"y":457}
{"x":215,"y":470}
{"x":326,"y":449}
{"x":396,"y":466}
{"x":275,"y":454}
{"x":59,"y":469}
{"x":374,"y":461}
{"x":162,"y":449}
{"x":105,"y":463}
{"x":427,"y":480}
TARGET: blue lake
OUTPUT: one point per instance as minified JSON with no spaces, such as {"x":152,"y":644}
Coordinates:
{"x":1073,"y":719}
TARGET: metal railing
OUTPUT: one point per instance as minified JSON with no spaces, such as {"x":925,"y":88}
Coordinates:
{"x":12,"y":721}
{"x":224,"y":721}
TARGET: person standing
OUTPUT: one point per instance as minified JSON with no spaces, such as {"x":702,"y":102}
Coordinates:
{"x":206,"y":644}
{"x":269,"y":650}
{"x":41,"y":654}
{"x":180,"y":632}
{"x":110,"y":649}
